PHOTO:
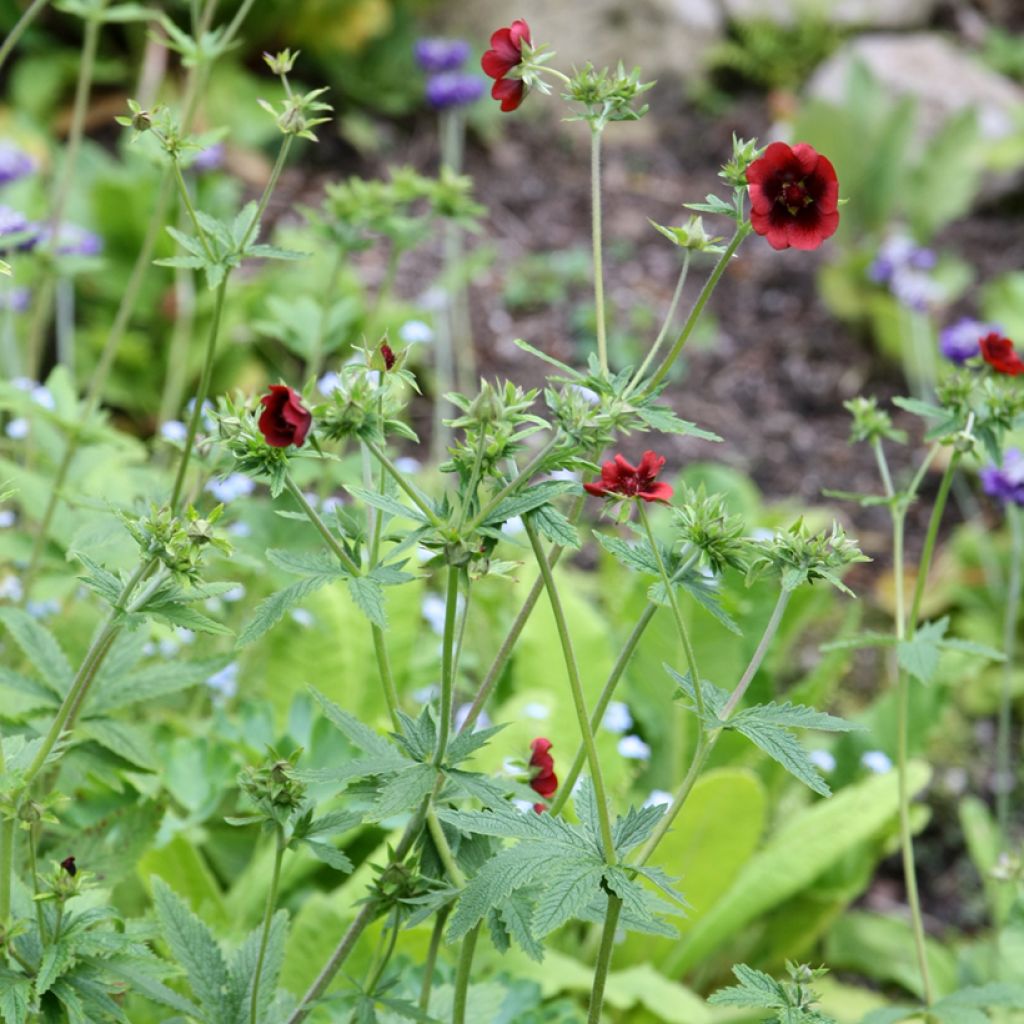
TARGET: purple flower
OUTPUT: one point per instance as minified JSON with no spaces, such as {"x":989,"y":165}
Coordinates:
{"x":209,"y":159}
{"x":15,"y":299}
{"x":13,"y":222}
{"x":1006,"y":482}
{"x":15,"y":163}
{"x":453,"y":89}
{"x":434,"y":55}
{"x":960,"y":341}
{"x":902,"y":266}
{"x":74,"y":240}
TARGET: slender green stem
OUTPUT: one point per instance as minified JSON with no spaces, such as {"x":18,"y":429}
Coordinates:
{"x":596,"y":243}
{"x":430,"y":963}
{"x":268,"y":190}
{"x":604,"y":958}
{"x":86,"y":673}
{"x":666,"y":324}
{"x":6,"y":855}
{"x":447,"y":665}
{"x":928,"y":551}
{"x":186,"y":201}
{"x":684,"y":636}
{"x":21,"y":26}
{"x":329,"y":539}
{"x":521,"y":479}
{"x":387,"y":678}
{"x":576,"y":686}
{"x":698,"y":307}
{"x":381,"y":456}
{"x":76,"y":130}
{"x":201,"y":394}
{"x":707,"y":743}
{"x":315,"y":363}
{"x":444,"y":850}
{"x":176,"y":366}
{"x":268,"y":917}
{"x":462,"y":974}
{"x":33,"y":870}
{"x":392,"y":929}
{"x":359,"y":924}
{"x":597,"y":715}
{"x":508,"y":644}
{"x":1005,"y":775}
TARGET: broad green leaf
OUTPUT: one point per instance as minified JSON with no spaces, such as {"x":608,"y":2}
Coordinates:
{"x":755,"y":988}
{"x":404,"y":791}
{"x":330,"y":855}
{"x":270,"y":612}
{"x":360,"y":735}
{"x":306,"y":563}
{"x":386,"y":503}
{"x":569,"y":886}
{"x":555,"y":527}
{"x":806,"y":845}
{"x":39,"y":646}
{"x":242,"y":968}
{"x":195,"y":948}
{"x":369,"y":598}
{"x":531,"y":497}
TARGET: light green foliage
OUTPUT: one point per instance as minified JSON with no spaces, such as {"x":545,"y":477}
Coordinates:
{"x":792,"y":1001}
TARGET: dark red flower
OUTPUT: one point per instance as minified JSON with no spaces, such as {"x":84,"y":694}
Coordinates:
{"x":506,"y":52}
{"x":387,"y":353}
{"x":284,"y":420}
{"x":619,"y":477}
{"x":997,"y":351}
{"x":794,"y":196}
{"x":68,"y":864}
{"x":544,"y":781}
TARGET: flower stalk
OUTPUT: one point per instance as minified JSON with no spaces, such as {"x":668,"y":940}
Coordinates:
{"x":268,"y":917}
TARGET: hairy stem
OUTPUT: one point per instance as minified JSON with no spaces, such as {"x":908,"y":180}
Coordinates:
{"x":596,"y":243}
{"x":268,"y":917}
{"x":666,"y":324}
{"x":21,"y":26}
{"x":1005,"y":774}
{"x":698,"y":307}
{"x":430,"y":963}
{"x":201,"y":394}
{"x":708,"y":741}
{"x":462,"y":974}
{"x":576,"y":686}
{"x":447,"y":665}
{"x":381,"y":456}
{"x":76,"y":130}
{"x":604,"y":958}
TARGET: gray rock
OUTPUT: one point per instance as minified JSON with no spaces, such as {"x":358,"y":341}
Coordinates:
{"x":661,"y":36}
{"x":861,"y":13}
{"x":943,"y":78}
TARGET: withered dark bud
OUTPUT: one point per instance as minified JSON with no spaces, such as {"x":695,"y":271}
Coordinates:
{"x":68,"y":864}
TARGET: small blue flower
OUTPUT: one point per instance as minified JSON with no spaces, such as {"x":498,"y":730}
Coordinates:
{"x":225,"y":682}
{"x":658,"y":798}
{"x":634,"y":748}
{"x":13,"y":222}
{"x":231,"y":487}
{"x":876,"y":761}
{"x":73,"y":240}
{"x":437,"y":55}
{"x":209,"y":159}
{"x":7,"y":518}
{"x":537,"y":711}
{"x":303,"y":617}
{"x":174,"y":431}
{"x":416,"y":331}
{"x":961,"y":341}
{"x":15,"y":299}
{"x":617,"y":718}
{"x":328,"y":383}
{"x":18,"y":429}
{"x":822,"y":759}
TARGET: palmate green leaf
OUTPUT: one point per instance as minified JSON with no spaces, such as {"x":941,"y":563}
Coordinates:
{"x":784,"y":748}
{"x":182,"y":615}
{"x":242,"y":969}
{"x":569,"y":886}
{"x":305,"y":563}
{"x":15,"y":993}
{"x":360,"y":735}
{"x":368,"y":596}
{"x":194,"y":947}
{"x":555,"y":527}
{"x":635,"y":827}
{"x":18,"y":683}
{"x":919,"y":655}
{"x":39,"y":646}
{"x":270,"y":611}
{"x":508,"y":823}
{"x":512,"y":869}
{"x":713,"y":696}
{"x":100,"y":580}
{"x":404,"y":791}
{"x":642,"y":911}
{"x":793,"y":716}
{"x":143,"y":982}
{"x":637,"y":557}
{"x":755,"y":989}
{"x":469,"y":742}
{"x":151,"y":682}
{"x":665,"y":421}
{"x":490,"y":792}
{"x":516,"y":914}
{"x":124,"y":739}
{"x":57,"y":958}
{"x":386,"y":503}
{"x":530,"y":498}
{"x":330,"y":855}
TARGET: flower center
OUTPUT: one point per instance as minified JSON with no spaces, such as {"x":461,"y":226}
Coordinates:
{"x":793,"y":195}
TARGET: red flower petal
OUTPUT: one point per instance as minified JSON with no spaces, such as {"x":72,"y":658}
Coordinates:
{"x":510,"y":91}
{"x":284,"y":420}
{"x":997,"y":350}
{"x":658,"y":492}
